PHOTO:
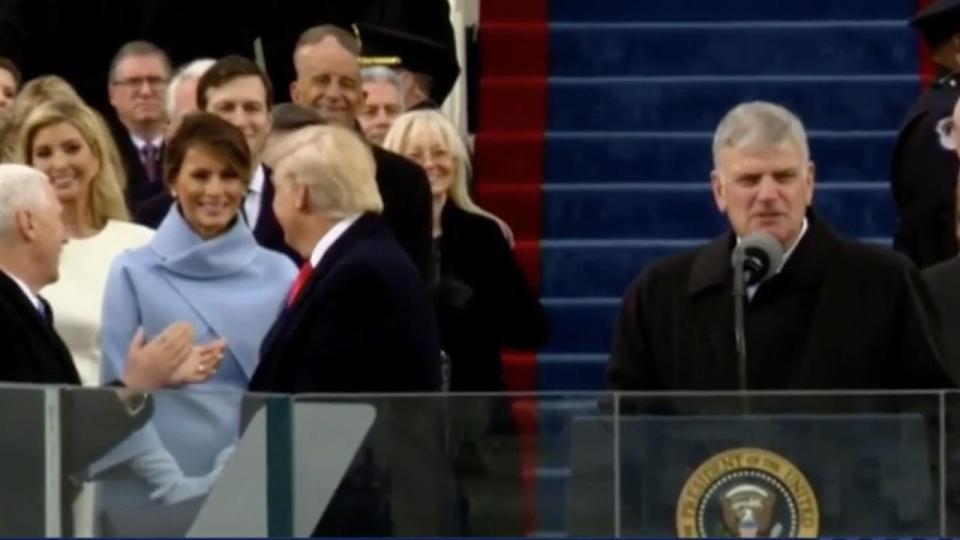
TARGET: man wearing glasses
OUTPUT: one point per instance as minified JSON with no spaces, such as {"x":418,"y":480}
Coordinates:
{"x":139,"y":74}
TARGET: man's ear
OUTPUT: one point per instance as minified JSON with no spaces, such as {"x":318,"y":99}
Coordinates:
{"x":361,"y":103}
{"x":811,"y":179}
{"x":718,"y":188}
{"x":407,"y":81}
{"x":112,"y":93}
{"x":25,"y":225}
{"x":303,"y":198}
{"x":293,"y":93}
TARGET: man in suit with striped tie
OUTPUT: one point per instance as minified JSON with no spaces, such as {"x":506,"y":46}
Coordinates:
{"x":139,"y":75}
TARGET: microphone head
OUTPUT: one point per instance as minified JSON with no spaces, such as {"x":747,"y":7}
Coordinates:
{"x":761,"y":254}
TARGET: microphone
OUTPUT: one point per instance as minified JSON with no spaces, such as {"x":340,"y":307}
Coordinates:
{"x":758,"y":255}
{"x":754,"y":258}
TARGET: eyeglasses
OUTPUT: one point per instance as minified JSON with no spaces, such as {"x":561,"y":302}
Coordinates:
{"x":133,"y":83}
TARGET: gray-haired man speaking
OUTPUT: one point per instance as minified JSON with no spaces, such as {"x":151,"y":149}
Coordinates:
{"x":835,"y":314}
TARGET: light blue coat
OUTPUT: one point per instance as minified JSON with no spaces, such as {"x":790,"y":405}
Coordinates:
{"x":225,"y":287}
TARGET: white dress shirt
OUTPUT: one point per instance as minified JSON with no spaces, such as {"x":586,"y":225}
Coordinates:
{"x":251,"y":203}
{"x":332,"y":236}
{"x":34,"y":299}
{"x":140,"y":143}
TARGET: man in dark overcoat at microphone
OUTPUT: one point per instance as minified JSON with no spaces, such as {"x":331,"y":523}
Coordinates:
{"x":833,"y":314}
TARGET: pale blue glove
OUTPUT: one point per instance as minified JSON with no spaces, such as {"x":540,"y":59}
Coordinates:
{"x":168,"y":485}
{"x":222,"y":458}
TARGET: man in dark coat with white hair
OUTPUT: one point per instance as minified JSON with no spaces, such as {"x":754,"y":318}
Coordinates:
{"x":837,"y":314}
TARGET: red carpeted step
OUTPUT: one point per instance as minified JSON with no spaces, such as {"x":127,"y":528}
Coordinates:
{"x":514,"y":49}
{"x":512,"y":107}
{"x":509,"y":157}
{"x":513,"y":10}
{"x":520,"y":370}
{"x":520,"y":205}
{"x":513,"y":103}
{"x":528,"y":255}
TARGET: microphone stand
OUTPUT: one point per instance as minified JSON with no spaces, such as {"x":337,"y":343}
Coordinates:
{"x":740,"y":335}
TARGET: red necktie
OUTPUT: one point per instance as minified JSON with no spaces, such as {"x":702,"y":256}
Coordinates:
{"x":298,"y":283}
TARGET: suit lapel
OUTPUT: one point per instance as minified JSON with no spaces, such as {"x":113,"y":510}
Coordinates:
{"x":266,"y":228}
{"x":64,"y":371}
{"x":367,"y":224}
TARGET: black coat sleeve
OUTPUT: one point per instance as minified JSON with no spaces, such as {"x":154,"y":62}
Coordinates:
{"x":919,"y":341}
{"x":631,"y":366}
{"x":418,"y":236}
{"x":407,"y":208}
{"x":521,"y":321}
{"x":368,"y":338}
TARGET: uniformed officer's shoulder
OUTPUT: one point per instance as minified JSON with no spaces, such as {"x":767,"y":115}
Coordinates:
{"x":950,"y":80}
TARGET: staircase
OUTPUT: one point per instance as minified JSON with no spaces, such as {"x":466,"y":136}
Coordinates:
{"x":596,"y":119}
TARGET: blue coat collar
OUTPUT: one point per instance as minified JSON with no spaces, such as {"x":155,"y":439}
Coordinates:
{"x":200,"y":270}
{"x":183,"y":252}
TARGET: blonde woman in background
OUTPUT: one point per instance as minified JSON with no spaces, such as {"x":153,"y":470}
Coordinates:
{"x":34,"y":93}
{"x":483,"y":303}
{"x":490,"y":305}
{"x":70,"y":143}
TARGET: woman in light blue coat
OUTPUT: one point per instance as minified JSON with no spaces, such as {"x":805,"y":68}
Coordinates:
{"x":205,"y":267}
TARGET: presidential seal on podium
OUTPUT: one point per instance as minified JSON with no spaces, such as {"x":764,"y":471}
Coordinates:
{"x":747,"y":493}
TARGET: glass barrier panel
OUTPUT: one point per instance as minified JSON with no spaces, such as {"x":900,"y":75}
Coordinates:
{"x":176,"y":463}
{"x":23,"y":464}
{"x":786,"y":464}
{"x":108,"y":462}
{"x":950,"y":475}
{"x":440,"y":465}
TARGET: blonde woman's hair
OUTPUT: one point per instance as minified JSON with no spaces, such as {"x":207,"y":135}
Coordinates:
{"x":426,"y":125}
{"x":335,"y":164}
{"x":34,"y":92}
{"x":105,"y":198}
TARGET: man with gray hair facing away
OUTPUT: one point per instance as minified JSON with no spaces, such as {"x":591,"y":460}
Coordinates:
{"x":835,"y":314}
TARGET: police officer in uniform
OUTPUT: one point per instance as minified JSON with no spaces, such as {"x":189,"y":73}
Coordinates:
{"x":924,"y":166}
{"x":432,"y":65}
